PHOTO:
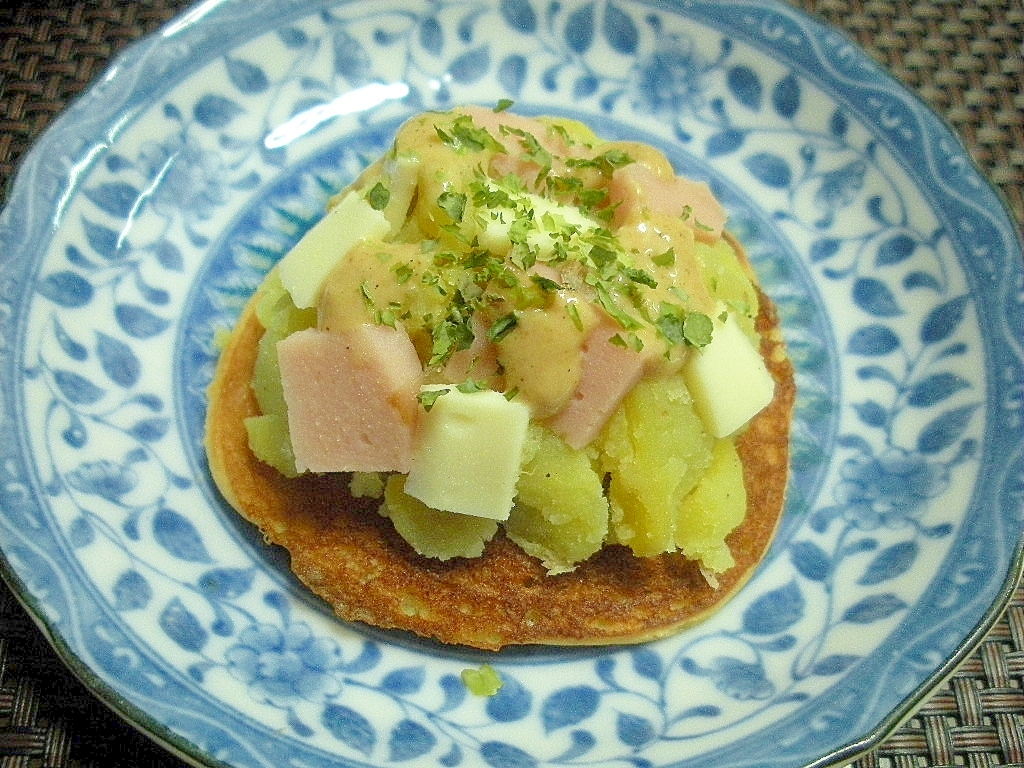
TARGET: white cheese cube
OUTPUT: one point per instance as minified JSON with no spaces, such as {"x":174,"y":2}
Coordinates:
{"x":468,"y":452}
{"x":728,"y":380}
{"x":305,"y":266}
{"x":548,"y":219}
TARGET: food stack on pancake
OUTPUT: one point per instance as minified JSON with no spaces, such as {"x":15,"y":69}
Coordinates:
{"x":519,"y":385}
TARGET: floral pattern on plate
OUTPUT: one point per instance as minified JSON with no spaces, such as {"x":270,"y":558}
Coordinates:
{"x":206,"y":155}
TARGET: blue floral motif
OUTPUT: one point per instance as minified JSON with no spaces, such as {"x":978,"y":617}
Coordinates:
{"x":673,"y":79}
{"x":839,"y":188}
{"x":890,"y":489}
{"x":740,"y":680}
{"x":189,"y":179}
{"x":284,"y":665}
{"x":104,"y":478}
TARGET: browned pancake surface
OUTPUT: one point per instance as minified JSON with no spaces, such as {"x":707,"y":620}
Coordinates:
{"x":352,"y":557}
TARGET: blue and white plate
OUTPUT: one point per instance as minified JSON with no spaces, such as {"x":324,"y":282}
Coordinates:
{"x":148,"y":213}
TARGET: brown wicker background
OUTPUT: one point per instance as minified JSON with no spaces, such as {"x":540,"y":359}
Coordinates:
{"x":963,"y":57}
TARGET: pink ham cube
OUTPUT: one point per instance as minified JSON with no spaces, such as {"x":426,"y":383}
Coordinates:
{"x":636,"y":188}
{"x":608,"y":373}
{"x":351,"y":398}
{"x":479,"y":361}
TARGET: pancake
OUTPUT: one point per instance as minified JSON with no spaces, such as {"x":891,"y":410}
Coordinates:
{"x":349,"y":555}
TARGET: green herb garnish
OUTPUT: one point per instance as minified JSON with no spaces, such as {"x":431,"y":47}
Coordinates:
{"x":546,"y":284}
{"x":378,"y":196}
{"x":501,"y":327}
{"x":609,"y":305}
{"x":428,"y":397}
{"x":670,"y":323}
{"x":640,"y":276}
{"x":680,"y":326}
{"x":453,"y":204}
{"x":602,"y":256}
{"x":403,"y":272}
{"x":364,"y":289}
{"x":465,"y":136}
{"x":534,"y":152}
{"x":449,"y":336}
{"x":574,"y":314}
{"x":697,"y":329}
{"x":605,"y":163}
{"x":666,"y":259}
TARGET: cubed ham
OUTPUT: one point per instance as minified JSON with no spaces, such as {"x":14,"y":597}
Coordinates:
{"x":479,"y":361}
{"x":609,"y":372}
{"x":635,"y":189}
{"x":493,"y":122}
{"x":351,"y":398}
{"x":514,"y":163}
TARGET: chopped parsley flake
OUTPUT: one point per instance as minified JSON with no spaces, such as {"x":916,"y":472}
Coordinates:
{"x":697,"y":329}
{"x":534,"y":151}
{"x":386,"y":316}
{"x":403,"y":272}
{"x":680,"y":326}
{"x":428,"y":397}
{"x":490,"y":197}
{"x":378,"y":196}
{"x":545,"y":283}
{"x":609,"y":305}
{"x":670,"y":323}
{"x":566,"y":186}
{"x":557,"y":129}
{"x":640,"y":276}
{"x":453,"y":204}
{"x":521,"y":228}
{"x":465,"y":136}
{"x":574,"y":314}
{"x":666,"y":259}
{"x":522,"y":256}
{"x":502,"y":327}
{"x":687,"y":216}
{"x":591,"y":198}
{"x":449,"y":336}
{"x":602,"y":256}
{"x":364,"y":289}
{"x":605,"y":163}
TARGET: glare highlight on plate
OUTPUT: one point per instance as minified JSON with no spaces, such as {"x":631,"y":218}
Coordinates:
{"x":357,"y":100}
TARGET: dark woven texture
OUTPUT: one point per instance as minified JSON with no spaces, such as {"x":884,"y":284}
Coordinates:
{"x":965,"y":58}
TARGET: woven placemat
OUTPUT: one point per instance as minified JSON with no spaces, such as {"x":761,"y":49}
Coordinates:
{"x":963,"y":57}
